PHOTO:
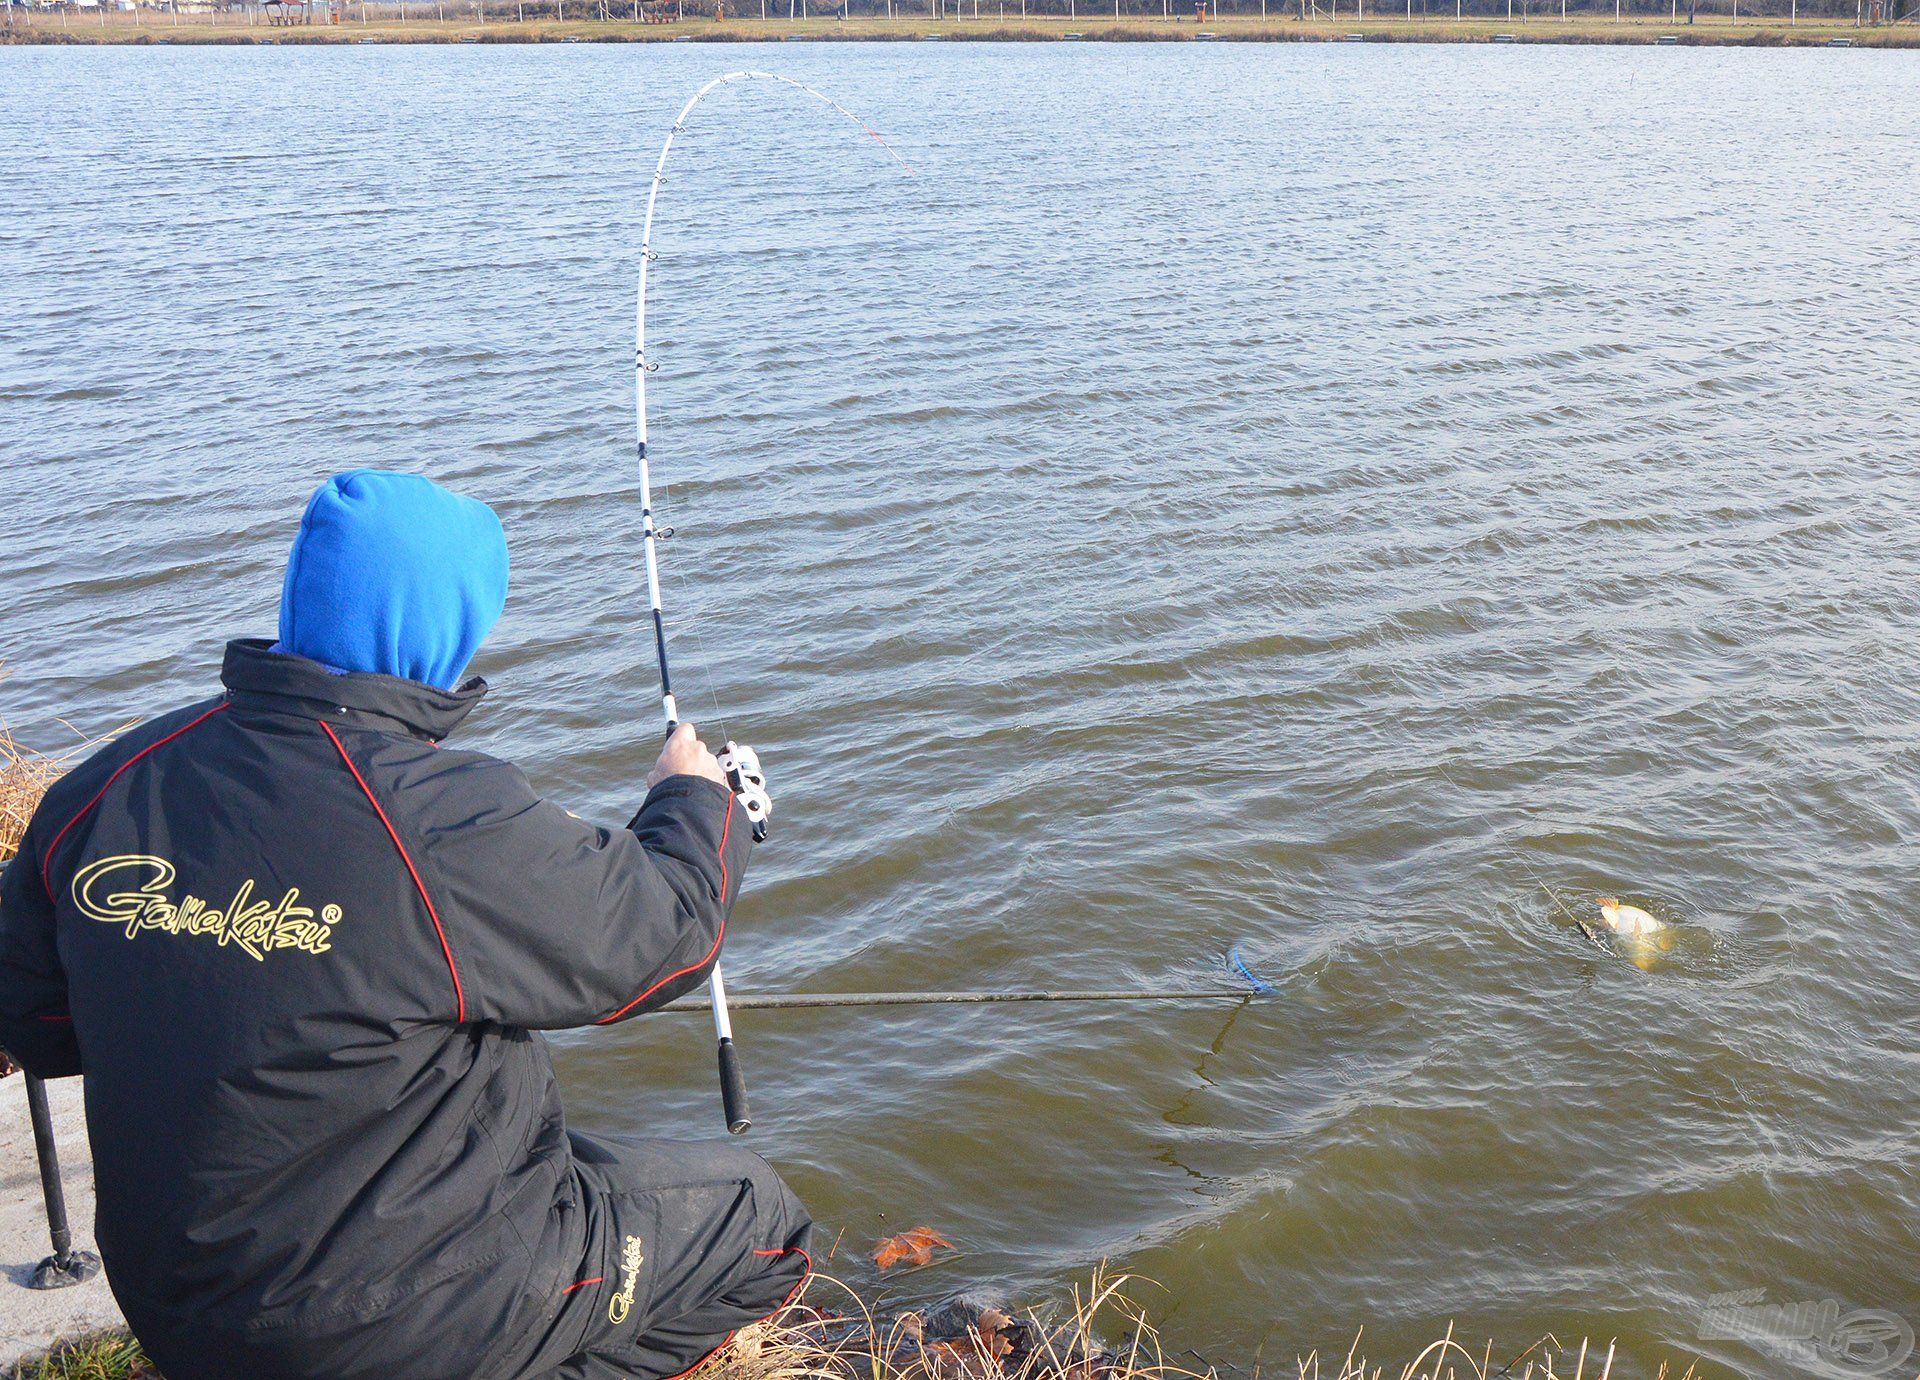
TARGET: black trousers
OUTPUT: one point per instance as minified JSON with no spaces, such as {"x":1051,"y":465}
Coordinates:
{"x":686,"y":1244}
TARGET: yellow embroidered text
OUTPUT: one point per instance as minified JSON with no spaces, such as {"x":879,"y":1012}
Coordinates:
{"x":622,"y":1302}
{"x":132,"y":891}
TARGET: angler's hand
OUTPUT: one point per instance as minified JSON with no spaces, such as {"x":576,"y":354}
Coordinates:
{"x":685,"y":755}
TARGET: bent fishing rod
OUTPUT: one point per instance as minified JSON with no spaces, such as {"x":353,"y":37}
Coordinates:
{"x":740,"y":763}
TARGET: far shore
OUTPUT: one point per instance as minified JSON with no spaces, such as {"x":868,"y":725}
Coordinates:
{"x":996,"y":22}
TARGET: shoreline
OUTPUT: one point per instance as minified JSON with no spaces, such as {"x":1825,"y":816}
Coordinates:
{"x":1714,"y":31}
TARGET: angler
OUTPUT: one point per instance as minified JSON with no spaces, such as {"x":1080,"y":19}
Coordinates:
{"x":346,"y":1157}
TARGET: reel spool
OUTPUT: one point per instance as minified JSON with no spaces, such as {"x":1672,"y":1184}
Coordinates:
{"x":742,"y":766}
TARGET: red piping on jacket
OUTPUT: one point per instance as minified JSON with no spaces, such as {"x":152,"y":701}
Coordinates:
{"x":459,"y":995}
{"x":46,"y":858}
{"x":725,"y":825}
{"x":792,"y":1294}
{"x":583,"y":1283}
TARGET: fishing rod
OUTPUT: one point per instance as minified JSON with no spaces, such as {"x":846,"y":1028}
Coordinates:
{"x":740,"y":763}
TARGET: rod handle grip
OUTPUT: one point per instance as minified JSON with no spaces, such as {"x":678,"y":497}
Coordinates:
{"x":733,"y":1089}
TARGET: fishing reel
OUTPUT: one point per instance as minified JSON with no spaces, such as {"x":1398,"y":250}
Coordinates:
{"x":742,"y":766}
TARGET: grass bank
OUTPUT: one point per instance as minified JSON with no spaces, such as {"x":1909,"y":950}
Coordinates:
{"x":995,"y":21}
{"x":1101,"y":1335}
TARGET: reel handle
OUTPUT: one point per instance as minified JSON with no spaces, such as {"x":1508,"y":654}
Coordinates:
{"x":742,"y":766}
{"x":744,"y":777}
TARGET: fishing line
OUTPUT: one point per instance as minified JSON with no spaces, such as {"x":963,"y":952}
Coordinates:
{"x":732,"y":1086}
{"x":1514,"y":853}
{"x":740,"y":763}
{"x":694,"y":616}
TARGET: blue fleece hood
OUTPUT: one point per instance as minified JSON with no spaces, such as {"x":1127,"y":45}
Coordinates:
{"x":394,"y":574}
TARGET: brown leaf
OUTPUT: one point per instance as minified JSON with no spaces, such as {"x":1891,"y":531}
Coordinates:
{"x":992,"y":1331}
{"x":966,"y":1360}
{"x":975,"y":1354}
{"x":913,"y":1247}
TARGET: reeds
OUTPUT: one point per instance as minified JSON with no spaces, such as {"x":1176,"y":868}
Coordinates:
{"x":25,"y":776}
{"x":831,"y":1333}
{"x":1101,"y":1335}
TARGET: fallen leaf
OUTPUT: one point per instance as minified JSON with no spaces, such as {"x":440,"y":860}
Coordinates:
{"x":956,"y":1341}
{"x":912,"y":1247}
{"x":992,"y":1332}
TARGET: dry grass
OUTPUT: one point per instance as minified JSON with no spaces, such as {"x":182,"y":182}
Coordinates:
{"x":830,"y":1333}
{"x":25,"y":776}
{"x":109,"y":1356}
{"x":1101,"y":1335}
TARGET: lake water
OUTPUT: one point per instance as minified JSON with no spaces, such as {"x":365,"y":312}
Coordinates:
{"x":1343,"y":500}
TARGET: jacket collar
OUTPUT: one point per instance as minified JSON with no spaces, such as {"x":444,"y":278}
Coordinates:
{"x":255,"y":674}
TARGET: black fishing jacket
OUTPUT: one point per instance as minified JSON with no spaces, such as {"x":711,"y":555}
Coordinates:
{"x":297,"y":948}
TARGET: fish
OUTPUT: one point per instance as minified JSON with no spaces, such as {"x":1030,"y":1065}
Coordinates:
{"x":1629,"y":922}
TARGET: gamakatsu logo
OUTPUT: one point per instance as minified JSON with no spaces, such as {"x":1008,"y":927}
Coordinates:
{"x":622,"y":1302}
{"x":133,"y":891}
